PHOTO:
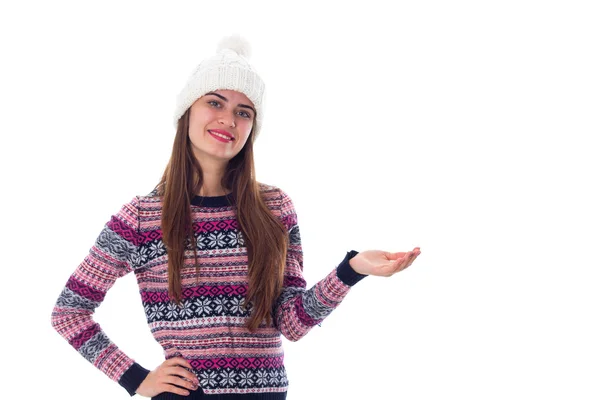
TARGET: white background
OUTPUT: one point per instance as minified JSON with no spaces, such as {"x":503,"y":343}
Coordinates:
{"x":466,"y":128}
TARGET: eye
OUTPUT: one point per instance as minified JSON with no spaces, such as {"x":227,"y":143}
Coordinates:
{"x":213,"y":103}
{"x":245,"y":114}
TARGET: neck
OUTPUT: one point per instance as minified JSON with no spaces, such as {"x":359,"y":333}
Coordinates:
{"x":211,"y":181}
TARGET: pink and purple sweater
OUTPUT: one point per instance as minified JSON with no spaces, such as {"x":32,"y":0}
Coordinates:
{"x":208,"y":329}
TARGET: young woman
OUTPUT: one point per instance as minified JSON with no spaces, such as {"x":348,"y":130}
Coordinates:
{"x":217,"y":256}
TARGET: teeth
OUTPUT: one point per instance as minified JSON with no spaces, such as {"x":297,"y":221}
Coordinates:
{"x":222,"y":136}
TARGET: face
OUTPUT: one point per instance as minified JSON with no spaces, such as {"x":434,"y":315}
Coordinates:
{"x":216,"y":115}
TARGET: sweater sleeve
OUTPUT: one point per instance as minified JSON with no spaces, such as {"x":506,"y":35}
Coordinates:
{"x":297,"y":310}
{"x":114,"y":254}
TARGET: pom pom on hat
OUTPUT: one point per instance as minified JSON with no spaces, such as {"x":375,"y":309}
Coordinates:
{"x":237,"y":44}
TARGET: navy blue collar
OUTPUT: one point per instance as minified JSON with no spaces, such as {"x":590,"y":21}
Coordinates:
{"x":214,"y":201}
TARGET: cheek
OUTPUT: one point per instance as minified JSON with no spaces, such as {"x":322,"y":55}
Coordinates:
{"x":200,"y":117}
{"x":193,"y":133}
{"x":247,"y":127}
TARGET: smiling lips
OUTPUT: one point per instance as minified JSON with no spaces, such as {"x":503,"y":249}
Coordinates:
{"x":221,"y":135}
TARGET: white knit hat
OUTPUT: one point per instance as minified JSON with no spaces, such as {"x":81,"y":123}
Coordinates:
{"x":227,"y":70}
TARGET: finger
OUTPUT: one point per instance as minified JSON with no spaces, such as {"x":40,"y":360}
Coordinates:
{"x":412,"y":259}
{"x":399,"y":265}
{"x":409,"y":259}
{"x":174,"y":389}
{"x":179,"y":371}
{"x":175,"y":380}
{"x":403,"y":261}
{"x":417,"y":251}
{"x":395,"y":256}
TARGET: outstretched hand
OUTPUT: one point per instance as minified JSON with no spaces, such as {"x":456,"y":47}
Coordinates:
{"x":382,"y":263}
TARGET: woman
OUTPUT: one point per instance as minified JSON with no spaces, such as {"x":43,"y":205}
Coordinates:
{"x":217,"y":256}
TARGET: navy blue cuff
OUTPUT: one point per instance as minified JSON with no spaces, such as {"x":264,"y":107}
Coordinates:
{"x":345,"y":272}
{"x":133,"y":378}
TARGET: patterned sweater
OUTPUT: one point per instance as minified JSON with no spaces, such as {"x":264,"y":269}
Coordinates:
{"x":208,"y":328}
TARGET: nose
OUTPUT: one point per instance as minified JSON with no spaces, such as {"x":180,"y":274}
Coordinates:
{"x":227,"y":120}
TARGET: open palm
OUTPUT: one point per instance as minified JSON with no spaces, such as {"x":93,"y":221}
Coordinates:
{"x":383,"y":263}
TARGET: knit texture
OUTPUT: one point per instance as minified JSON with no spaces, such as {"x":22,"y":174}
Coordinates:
{"x":208,"y":329}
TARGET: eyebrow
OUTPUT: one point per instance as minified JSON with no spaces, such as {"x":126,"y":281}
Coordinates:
{"x":225,"y":99}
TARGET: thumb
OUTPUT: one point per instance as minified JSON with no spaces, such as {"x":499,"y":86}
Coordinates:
{"x":395,"y":256}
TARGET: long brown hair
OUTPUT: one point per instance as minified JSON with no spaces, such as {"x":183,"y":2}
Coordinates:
{"x":265,"y":236}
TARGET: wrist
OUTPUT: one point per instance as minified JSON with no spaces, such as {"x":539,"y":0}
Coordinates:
{"x":346,"y":273}
{"x":352,"y":263}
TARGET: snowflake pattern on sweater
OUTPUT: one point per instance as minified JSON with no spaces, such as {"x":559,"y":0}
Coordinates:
{"x":208,"y":328}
